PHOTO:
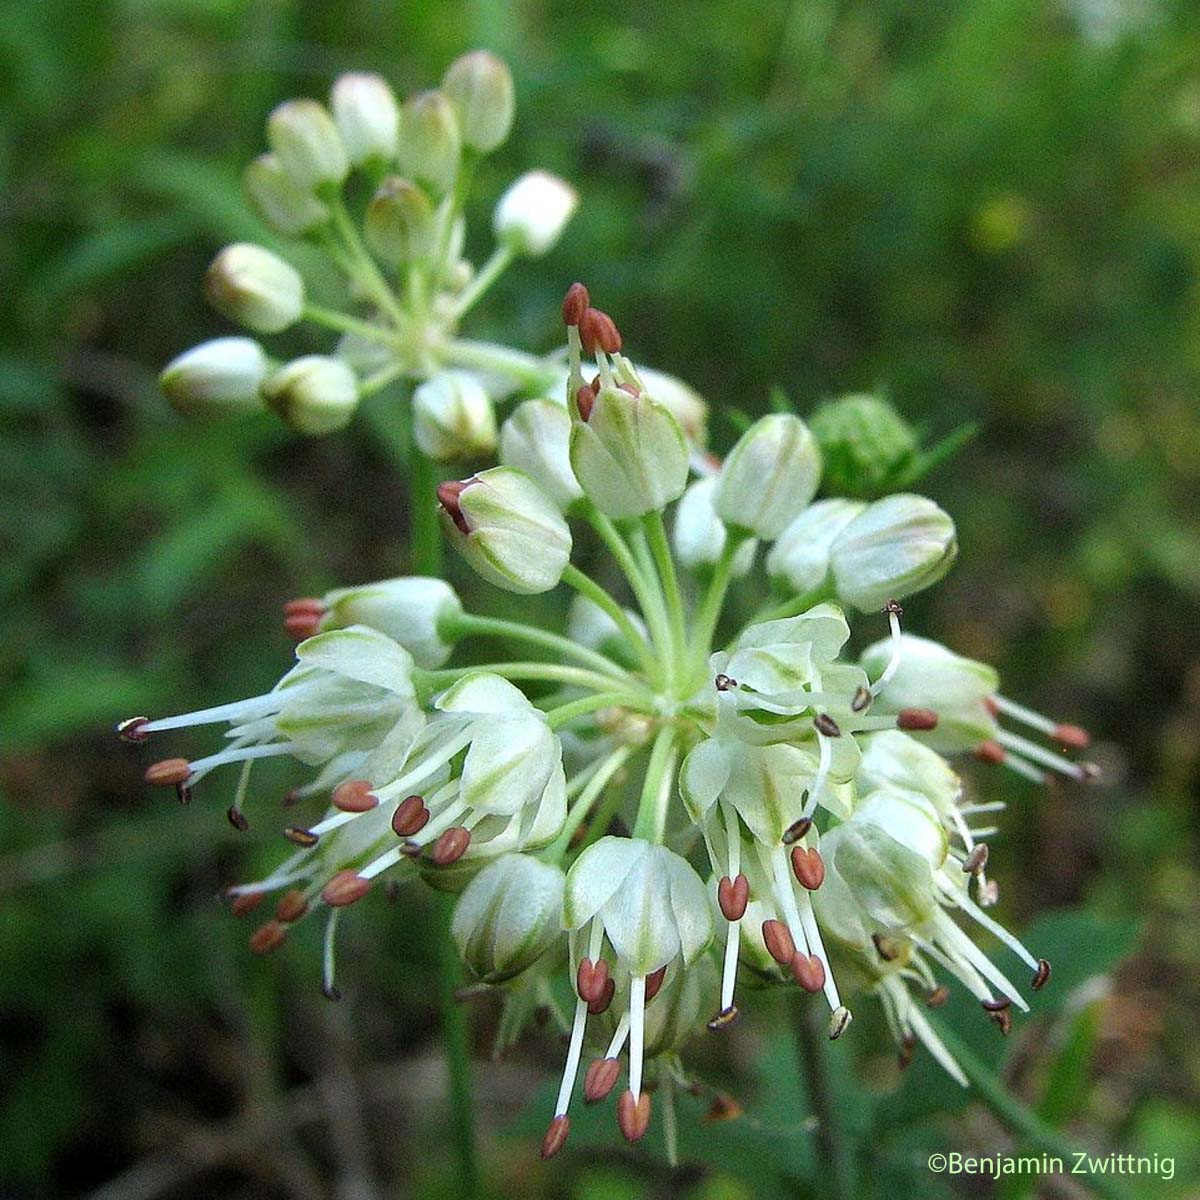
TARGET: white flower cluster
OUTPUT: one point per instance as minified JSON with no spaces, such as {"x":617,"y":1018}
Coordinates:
{"x":690,"y":806}
{"x":401,"y":257}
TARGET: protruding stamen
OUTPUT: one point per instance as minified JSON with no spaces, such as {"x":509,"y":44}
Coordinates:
{"x":996,"y":1005}
{"x":990,"y":752}
{"x":1073,"y":737}
{"x":1003,"y":1019}
{"x":723,"y":1107}
{"x":301,"y":626}
{"x":354,"y":796}
{"x":448,"y":495}
{"x":556,"y":1136}
{"x":600,"y":1079}
{"x":411,"y":816}
{"x":1084,"y":772}
{"x":974,"y":863}
{"x":171,"y":771}
{"x":292,"y":906}
{"x":299,"y":836}
{"x":329,"y":988}
{"x":723,"y":1019}
{"x":1042,"y":975}
{"x":907,"y":1048}
{"x":637,"y":1033}
{"x":938,"y":996}
{"x":825,"y":725}
{"x":245,"y":902}
{"x":604,"y":1000}
{"x":585,"y":401}
{"x":781,"y":946}
{"x":808,"y":971}
{"x":796,"y":830}
{"x":591,"y":978}
{"x":237,"y":818}
{"x":575,"y":304}
{"x":916,"y":720}
{"x":887,"y":948}
{"x":862,"y":699}
{"x":733,"y":895}
{"x":724,"y":684}
{"x":450,"y":846}
{"x":598,"y":331}
{"x":894,"y":613}
{"x":267,"y":937}
{"x":809,"y":867}
{"x":633,"y":1115}
{"x":130,"y":730}
{"x":838,"y":1022}
{"x":345,"y":888}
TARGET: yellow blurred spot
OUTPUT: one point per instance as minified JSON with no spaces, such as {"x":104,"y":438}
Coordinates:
{"x":1001,"y":223}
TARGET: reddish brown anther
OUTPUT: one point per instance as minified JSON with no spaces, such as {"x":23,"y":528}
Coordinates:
{"x":974,"y":863}
{"x":779,"y":943}
{"x":1042,"y":976}
{"x":885,"y":947}
{"x":292,"y":906}
{"x":1072,"y":737}
{"x":1003,"y":1019}
{"x":246,"y":902}
{"x":893,"y":609}
{"x":299,"y":836}
{"x":808,"y":971}
{"x":825,"y":725}
{"x":171,"y":771}
{"x":556,"y":1136}
{"x":591,"y":978}
{"x":451,"y":846}
{"x":796,"y":830}
{"x":266,"y":937}
{"x":992,"y":707}
{"x":723,"y":1108}
{"x":907,"y":1049}
{"x":305,"y":604}
{"x":862,"y":699}
{"x":600,"y":1079}
{"x":130,"y":730}
{"x":809,"y":867}
{"x":237,"y":818}
{"x":354,"y":796}
{"x":598,"y":331}
{"x":602,"y":1002}
{"x":292,"y":797}
{"x":631,"y":388}
{"x":723,"y":683}
{"x":990,"y":752}
{"x":411,"y":816}
{"x":575,"y":304}
{"x":301,"y":626}
{"x":733,"y":895}
{"x":654,"y":982}
{"x":916,"y":720}
{"x":723,"y":1019}
{"x":585,"y":400}
{"x":633,"y":1116}
{"x":997,"y":1005}
{"x":938,"y":996}
{"x":345,"y":888}
{"x":449,"y":496}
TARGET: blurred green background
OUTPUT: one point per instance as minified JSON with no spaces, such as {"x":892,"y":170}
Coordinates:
{"x":988,"y":209}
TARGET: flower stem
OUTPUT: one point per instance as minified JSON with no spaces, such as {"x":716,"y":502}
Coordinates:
{"x":343,"y":322}
{"x":793,"y":607}
{"x":651,"y":822}
{"x":422,"y":487}
{"x":529,"y":370}
{"x":557,"y":717}
{"x":558,"y":848}
{"x":710,"y":607}
{"x":656,"y":533}
{"x":586,"y":586}
{"x":571,"y":676}
{"x":812,"y":1049}
{"x":491,"y":270}
{"x":654,"y":605}
{"x":364,"y":265}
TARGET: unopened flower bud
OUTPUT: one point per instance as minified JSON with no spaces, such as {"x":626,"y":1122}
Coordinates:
{"x":254,"y":287}
{"x":314,"y":394}
{"x":897,"y":546}
{"x":216,"y":378}
{"x":867,"y":446}
{"x":536,"y":439}
{"x":680,"y":399}
{"x":699,"y":535}
{"x":453,"y":417}
{"x":408,"y":610}
{"x":508,"y":916}
{"x":280,"y":203}
{"x":589,"y":625}
{"x":769,"y":477}
{"x":799,"y":560}
{"x":398,"y":223}
{"x":480,"y":87}
{"x":534,"y":211}
{"x":307,"y":143}
{"x":630,"y":455}
{"x":367,"y":116}
{"x":507,"y":530}
{"x":429,"y":146}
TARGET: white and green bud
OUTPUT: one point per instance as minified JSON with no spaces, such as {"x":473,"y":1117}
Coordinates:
{"x":769,"y":477}
{"x":314,"y":394}
{"x":930,"y":676}
{"x":532,"y":214}
{"x":896,"y":547}
{"x":367,"y":117}
{"x":453,"y":417}
{"x":799,"y":559}
{"x":629,"y":455}
{"x":429,"y":147}
{"x":894,"y":759}
{"x":866,"y":445}
{"x":217,"y":378}
{"x":255,"y":287}
{"x":281,"y":204}
{"x":682,"y":400}
{"x":699,"y":535}
{"x":398,"y":223}
{"x":507,"y":529}
{"x":480,"y":87}
{"x":508,"y":917}
{"x":409,"y":610}
{"x":536,"y":439}
{"x":306,"y":141}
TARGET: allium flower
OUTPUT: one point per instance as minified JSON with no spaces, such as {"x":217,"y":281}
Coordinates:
{"x":792,"y":817}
